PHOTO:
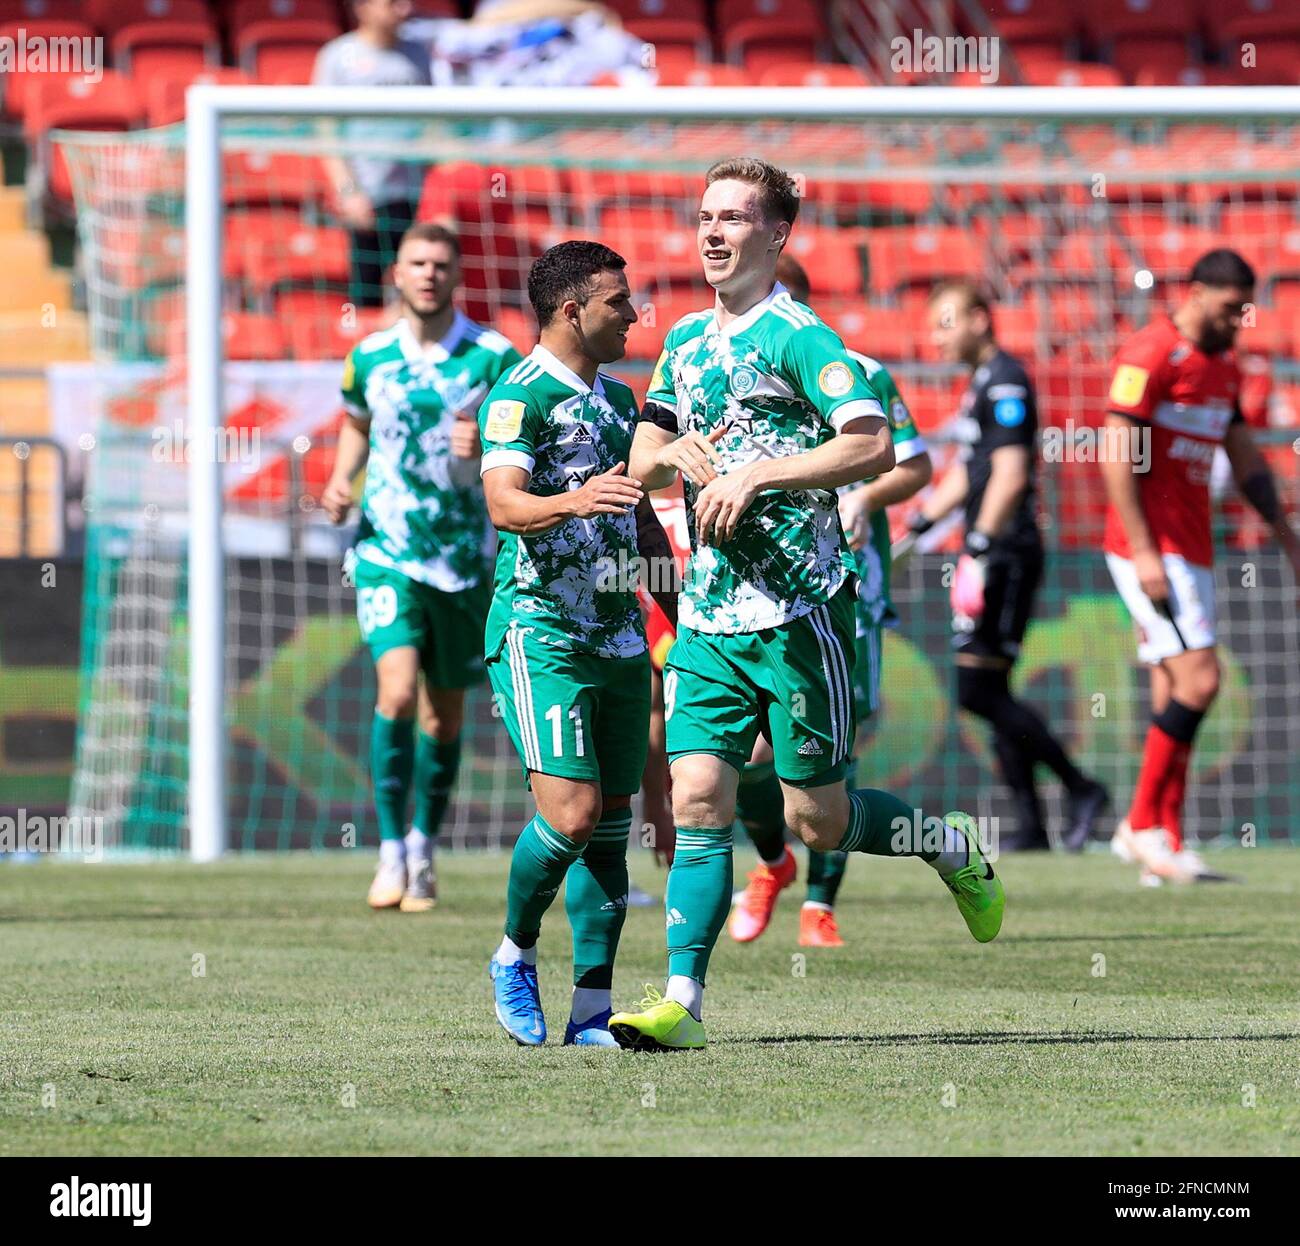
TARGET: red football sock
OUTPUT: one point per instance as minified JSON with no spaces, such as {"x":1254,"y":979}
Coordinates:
{"x":1171,"y":798}
{"x":1157,"y":763}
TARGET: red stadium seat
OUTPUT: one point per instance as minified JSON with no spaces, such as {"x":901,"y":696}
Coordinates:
{"x":18,"y":83}
{"x":249,"y":234}
{"x":73,"y":102}
{"x":242,"y":13}
{"x":283,"y":52}
{"x":1042,"y":22}
{"x":832,"y":259}
{"x":1161,"y":55}
{"x":245,"y":335}
{"x":876,"y":331}
{"x":646,"y":338}
{"x":761,"y":33}
{"x":146,"y":49}
{"x":812,"y":74}
{"x":916,"y":255}
{"x":309,"y":255}
{"x":262,"y":179}
{"x":1083,"y":255}
{"x":111,"y":15}
{"x":519,"y":326}
{"x":676,"y":74}
{"x":319,"y":327}
{"x":1234,"y":22}
{"x":165,"y":91}
{"x":1073,"y":74}
{"x":29,"y":11}
{"x":1166,"y":75}
{"x":135,"y":258}
{"x":678,"y":30}
{"x":1109,"y":21}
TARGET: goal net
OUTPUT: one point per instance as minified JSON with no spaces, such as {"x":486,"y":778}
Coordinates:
{"x":1082,"y":218}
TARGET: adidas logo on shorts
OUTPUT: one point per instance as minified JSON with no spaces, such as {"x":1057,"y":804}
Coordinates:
{"x":675,"y":918}
{"x":810,"y":748}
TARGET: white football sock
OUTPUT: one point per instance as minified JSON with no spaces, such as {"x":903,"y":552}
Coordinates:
{"x":391,"y":852}
{"x":818,"y":904}
{"x":510,"y":952}
{"x":419,"y":847}
{"x":687,"y":992}
{"x":587,"y":1002}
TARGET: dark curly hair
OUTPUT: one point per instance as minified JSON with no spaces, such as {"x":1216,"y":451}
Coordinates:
{"x":565,"y":272}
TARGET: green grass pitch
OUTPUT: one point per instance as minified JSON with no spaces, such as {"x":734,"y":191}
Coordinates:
{"x":257,"y":1007}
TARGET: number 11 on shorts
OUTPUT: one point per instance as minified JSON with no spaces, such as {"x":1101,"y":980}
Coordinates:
{"x":555,"y":716}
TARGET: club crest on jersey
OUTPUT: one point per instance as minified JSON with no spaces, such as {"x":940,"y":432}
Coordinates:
{"x":744,"y":380}
{"x":898,"y":415}
{"x":835,"y":380}
{"x":505,"y":418}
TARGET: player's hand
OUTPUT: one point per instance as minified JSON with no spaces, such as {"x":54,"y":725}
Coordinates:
{"x":356,"y":210}
{"x":693,"y":455}
{"x":855,"y":515}
{"x":465,"y":443}
{"x":611,"y":493}
{"x":1151,"y":576}
{"x":967,"y":592}
{"x":336,"y":500}
{"x":721,"y":504}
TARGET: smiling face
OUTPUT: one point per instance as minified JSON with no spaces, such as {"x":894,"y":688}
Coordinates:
{"x":739,"y":244}
{"x":426,"y":275}
{"x":602,"y":320}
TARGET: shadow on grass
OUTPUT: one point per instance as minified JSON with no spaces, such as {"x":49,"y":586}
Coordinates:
{"x":1000,"y":1038}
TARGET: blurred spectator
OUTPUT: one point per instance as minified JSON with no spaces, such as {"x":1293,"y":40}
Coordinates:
{"x":376,"y":195}
{"x":538,"y":43}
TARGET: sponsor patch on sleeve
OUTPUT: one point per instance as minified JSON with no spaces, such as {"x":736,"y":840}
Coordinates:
{"x":835,"y":379}
{"x":349,"y":371}
{"x":1009,"y":412}
{"x":1129,"y":385}
{"x":505,"y":418}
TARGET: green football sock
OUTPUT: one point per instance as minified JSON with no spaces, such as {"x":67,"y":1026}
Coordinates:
{"x":760,"y":807}
{"x":392,"y":750}
{"x":541,"y":858}
{"x":825,"y":873}
{"x":884,"y":826}
{"x":595,"y":898}
{"x":698,"y":899}
{"x":436,"y":763}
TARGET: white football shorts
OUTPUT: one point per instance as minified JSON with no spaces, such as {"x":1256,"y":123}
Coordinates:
{"x":1191,"y":602}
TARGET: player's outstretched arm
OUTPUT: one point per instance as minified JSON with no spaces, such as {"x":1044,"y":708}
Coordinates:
{"x":1257,"y":486}
{"x":349,"y":458}
{"x":513,"y":509}
{"x":906,"y":480}
{"x":1120,"y":478}
{"x":658,"y":455}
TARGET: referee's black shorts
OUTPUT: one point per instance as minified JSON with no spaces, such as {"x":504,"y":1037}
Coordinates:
{"x":1014,"y":574}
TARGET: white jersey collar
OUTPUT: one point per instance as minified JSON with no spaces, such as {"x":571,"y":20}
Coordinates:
{"x":747,"y":319}
{"x":439,"y":351}
{"x":562,"y":372}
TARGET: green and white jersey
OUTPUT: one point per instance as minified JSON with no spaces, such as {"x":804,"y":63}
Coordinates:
{"x":418,"y":516}
{"x":573,"y":583}
{"x":872,"y":560}
{"x":781,"y":382}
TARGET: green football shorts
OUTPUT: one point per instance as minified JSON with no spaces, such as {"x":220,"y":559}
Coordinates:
{"x":573,"y":715}
{"x":793,"y":682}
{"x":446,"y":628}
{"x":866,"y":668}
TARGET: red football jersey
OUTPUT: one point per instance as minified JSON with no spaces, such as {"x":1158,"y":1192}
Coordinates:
{"x":1186,"y":399}
{"x":670,"y":507}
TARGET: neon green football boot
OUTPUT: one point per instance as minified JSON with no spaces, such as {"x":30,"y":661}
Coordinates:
{"x":662,"y":1025}
{"x":977,"y":890}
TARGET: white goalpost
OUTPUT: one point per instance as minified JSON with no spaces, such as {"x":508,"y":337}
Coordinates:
{"x":724,"y":113}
